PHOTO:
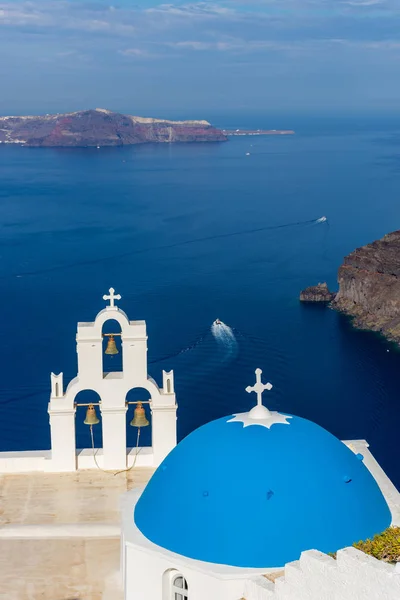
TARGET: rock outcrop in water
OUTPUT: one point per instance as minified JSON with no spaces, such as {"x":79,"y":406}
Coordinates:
{"x":369,"y":286}
{"x":317,"y":293}
{"x":102,"y":127}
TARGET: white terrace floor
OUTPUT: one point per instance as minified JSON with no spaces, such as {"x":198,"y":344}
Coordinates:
{"x":59,"y":534}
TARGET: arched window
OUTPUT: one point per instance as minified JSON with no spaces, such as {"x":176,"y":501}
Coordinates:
{"x":179,"y":588}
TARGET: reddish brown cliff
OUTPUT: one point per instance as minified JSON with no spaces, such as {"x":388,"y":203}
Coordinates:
{"x":101,"y":127}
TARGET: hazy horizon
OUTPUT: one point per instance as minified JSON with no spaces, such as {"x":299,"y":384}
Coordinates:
{"x":280,"y":55}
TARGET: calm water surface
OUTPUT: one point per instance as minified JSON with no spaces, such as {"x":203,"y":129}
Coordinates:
{"x":76,"y":221}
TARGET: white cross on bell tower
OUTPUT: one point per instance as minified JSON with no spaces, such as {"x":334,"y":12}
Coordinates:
{"x":111,"y":297}
{"x":259,"y":411}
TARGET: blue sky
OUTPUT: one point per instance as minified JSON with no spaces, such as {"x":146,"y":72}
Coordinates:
{"x":149,"y":57}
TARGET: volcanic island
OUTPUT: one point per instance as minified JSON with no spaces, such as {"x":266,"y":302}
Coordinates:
{"x":101,"y":127}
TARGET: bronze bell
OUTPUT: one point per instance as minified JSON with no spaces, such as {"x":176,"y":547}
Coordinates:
{"x":139,"y":417}
{"x":91,"y":416}
{"x":111,"y":346}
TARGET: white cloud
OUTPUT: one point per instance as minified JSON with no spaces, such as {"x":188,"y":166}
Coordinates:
{"x":202,"y":26}
{"x":242,"y":46}
{"x":367,"y":44}
{"x":363,"y":2}
{"x":134,"y":52}
{"x":19,"y":15}
{"x":60,"y":16}
{"x":197,"y":45}
{"x":198,"y":9}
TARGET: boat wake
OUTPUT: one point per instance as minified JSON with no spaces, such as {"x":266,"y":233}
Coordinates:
{"x":225,"y":339}
{"x":184,"y":350}
{"x":199,"y":240}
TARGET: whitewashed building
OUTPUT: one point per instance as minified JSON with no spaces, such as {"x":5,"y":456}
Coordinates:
{"x":247,"y":506}
{"x":243,"y":507}
{"x":112,"y":389}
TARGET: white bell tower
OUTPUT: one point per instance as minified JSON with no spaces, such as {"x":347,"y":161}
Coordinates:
{"x":112,"y":388}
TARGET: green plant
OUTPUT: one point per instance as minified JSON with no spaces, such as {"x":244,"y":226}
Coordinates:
{"x":384,"y":546}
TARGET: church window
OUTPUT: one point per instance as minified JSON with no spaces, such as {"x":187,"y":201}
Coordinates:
{"x":168,"y":386}
{"x":179,"y":588}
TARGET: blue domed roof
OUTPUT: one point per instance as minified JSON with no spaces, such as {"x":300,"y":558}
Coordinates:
{"x":257,"y":497}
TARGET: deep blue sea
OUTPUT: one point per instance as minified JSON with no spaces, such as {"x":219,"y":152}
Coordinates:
{"x":76,"y":221}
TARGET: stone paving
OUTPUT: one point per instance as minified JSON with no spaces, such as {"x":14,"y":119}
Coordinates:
{"x":45,"y":562}
{"x":60,"y":569}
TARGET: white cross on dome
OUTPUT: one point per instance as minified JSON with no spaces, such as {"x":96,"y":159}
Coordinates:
{"x":259,"y":414}
{"x":259,"y":388}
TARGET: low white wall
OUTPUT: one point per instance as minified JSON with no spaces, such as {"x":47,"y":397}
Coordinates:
{"x":316,"y":576}
{"x":85,"y":459}
{"x":60,"y":530}
{"x":388,"y":489}
{"x":24,"y":462}
{"x":41,"y":460}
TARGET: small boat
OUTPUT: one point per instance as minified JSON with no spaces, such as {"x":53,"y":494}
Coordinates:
{"x":247,"y":153}
{"x":217,"y":322}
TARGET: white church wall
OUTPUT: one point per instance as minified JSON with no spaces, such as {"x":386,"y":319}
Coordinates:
{"x":316,"y":576}
{"x":134,"y":350}
{"x":149,"y":577}
{"x":164,"y":430}
{"x":62,"y":436}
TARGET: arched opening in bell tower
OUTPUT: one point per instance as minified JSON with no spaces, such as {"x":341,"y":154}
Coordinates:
{"x":83,"y":435}
{"x":112,"y":347}
{"x":138,"y":395}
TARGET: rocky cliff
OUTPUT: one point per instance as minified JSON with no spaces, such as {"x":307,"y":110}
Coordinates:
{"x":102,"y":127}
{"x":317,"y":293}
{"x":369,"y":286}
